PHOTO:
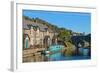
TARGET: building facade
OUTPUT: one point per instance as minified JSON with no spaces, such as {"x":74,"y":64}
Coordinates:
{"x":36,"y":35}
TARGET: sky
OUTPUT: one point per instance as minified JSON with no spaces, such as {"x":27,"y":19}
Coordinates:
{"x":75,"y":21}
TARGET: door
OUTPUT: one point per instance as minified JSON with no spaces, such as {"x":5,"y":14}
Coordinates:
{"x":26,"y":42}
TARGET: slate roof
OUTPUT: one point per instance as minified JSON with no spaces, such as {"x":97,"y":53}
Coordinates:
{"x":41,"y":26}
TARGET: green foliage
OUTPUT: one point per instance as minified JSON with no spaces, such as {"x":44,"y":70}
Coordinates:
{"x":64,"y":34}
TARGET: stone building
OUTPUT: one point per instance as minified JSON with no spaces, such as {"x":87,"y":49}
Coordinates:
{"x":36,"y":35}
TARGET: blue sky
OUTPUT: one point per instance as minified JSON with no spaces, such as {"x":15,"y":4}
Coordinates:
{"x":75,"y":21}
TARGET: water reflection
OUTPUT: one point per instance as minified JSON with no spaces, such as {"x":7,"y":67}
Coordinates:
{"x":54,"y":54}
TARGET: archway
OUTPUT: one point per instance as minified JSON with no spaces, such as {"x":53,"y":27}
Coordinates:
{"x":47,"y":41}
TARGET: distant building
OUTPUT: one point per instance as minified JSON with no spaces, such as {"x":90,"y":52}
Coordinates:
{"x":78,"y":34}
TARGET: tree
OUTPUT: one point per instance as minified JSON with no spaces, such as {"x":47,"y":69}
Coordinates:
{"x":64,"y":34}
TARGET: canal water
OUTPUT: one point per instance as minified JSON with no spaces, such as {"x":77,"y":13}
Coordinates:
{"x":59,"y":57}
{"x":56,"y":55}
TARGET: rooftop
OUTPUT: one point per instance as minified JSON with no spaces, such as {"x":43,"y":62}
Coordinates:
{"x":41,"y":26}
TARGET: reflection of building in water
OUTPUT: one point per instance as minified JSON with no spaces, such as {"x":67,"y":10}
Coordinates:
{"x":37,"y":35}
